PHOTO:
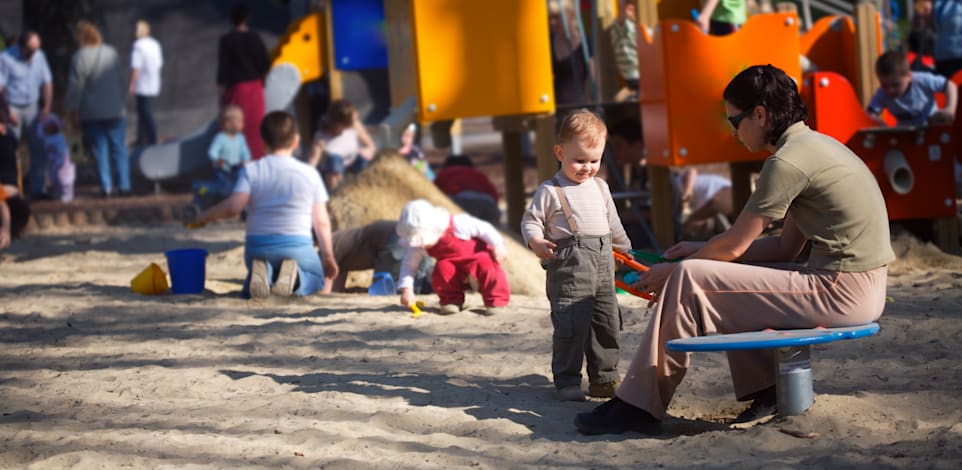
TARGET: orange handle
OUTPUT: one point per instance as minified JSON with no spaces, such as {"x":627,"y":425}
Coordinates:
{"x":630,"y":262}
{"x":637,"y":293}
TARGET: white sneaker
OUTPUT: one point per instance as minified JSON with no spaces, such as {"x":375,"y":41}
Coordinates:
{"x":286,"y":277}
{"x":260,"y":287}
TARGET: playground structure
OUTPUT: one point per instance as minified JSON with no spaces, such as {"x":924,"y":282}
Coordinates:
{"x":445,"y":64}
{"x":684,"y":123}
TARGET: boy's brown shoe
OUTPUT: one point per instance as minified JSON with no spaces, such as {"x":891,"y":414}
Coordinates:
{"x":605,"y":390}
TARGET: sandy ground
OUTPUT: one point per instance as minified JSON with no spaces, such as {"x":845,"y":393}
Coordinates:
{"x":94,"y":376}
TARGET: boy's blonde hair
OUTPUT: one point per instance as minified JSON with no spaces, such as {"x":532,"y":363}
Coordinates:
{"x":584,"y":125}
{"x":231,"y":111}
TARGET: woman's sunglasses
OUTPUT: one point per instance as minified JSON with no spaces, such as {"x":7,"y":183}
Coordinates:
{"x":737,"y":119}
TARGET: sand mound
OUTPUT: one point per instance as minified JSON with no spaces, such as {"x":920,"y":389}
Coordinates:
{"x":380,"y":191}
{"x":914,"y":254}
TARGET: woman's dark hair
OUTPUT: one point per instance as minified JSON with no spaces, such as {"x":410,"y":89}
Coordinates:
{"x":19,"y":215}
{"x":239,"y":14}
{"x":768,"y":86}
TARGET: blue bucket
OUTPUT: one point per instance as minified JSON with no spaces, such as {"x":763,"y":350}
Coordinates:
{"x":188,"y":269}
{"x":383,"y":284}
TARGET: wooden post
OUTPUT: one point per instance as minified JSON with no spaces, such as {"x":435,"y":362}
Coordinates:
{"x":866,"y":48}
{"x":400,"y":51}
{"x":662,"y":210}
{"x":606,"y":69}
{"x":647,"y":13}
{"x":333,"y":74}
{"x":512,"y":128}
{"x":544,"y":140}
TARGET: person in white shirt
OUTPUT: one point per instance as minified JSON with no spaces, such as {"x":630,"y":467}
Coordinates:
{"x":286,"y":204}
{"x":146,"y":61}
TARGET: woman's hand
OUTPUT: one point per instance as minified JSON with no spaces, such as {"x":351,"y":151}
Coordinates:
{"x":654,"y":279}
{"x":682,"y":250}
{"x":407,"y":297}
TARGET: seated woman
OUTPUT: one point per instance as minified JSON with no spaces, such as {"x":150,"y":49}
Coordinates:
{"x":285,"y":199}
{"x":736,"y":282}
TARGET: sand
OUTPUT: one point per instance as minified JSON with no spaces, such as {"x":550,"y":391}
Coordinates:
{"x":95,"y":376}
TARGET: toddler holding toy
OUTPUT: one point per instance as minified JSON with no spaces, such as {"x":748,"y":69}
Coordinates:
{"x":566,"y":227}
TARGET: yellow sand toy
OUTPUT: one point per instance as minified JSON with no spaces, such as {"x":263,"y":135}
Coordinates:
{"x":416,"y":308}
{"x":151,"y":281}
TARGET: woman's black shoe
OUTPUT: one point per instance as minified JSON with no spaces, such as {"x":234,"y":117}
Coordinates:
{"x":615,"y":416}
{"x":765,"y":404}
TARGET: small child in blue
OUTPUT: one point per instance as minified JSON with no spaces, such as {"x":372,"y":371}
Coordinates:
{"x":63,"y":173}
{"x":229,"y":152}
{"x":910,"y":96}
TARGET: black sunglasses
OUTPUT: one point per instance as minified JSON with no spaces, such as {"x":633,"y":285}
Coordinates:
{"x":737,"y":119}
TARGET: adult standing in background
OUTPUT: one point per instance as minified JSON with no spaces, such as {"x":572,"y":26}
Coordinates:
{"x":95,"y":95}
{"x":242,"y":64}
{"x":24,"y":74}
{"x":569,"y":64}
{"x":146,"y":60}
{"x":947,"y":17}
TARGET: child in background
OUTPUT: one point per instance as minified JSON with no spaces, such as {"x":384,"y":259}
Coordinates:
{"x":467,"y":250}
{"x":910,"y":96}
{"x":572,"y":225}
{"x":228,"y":151}
{"x":413,"y":153}
{"x":62,"y":170}
{"x":14,"y":214}
{"x":343,"y":142}
{"x":9,"y":170}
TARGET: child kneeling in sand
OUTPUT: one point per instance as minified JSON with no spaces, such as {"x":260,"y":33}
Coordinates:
{"x":572,"y":225}
{"x":285,"y":200}
{"x":467,"y":250}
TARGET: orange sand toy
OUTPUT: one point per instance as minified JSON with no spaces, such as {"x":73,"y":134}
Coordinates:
{"x":637,"y":267}
{"x":151,"y":281}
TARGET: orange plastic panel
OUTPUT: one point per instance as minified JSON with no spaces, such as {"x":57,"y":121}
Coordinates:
{"x":684,"y":73}
{"x":928,"y":153}
{"x":304,"y":45}
{"x":830,"y":45}
{"x":489,"y":58}
{"x":834,"y":110}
